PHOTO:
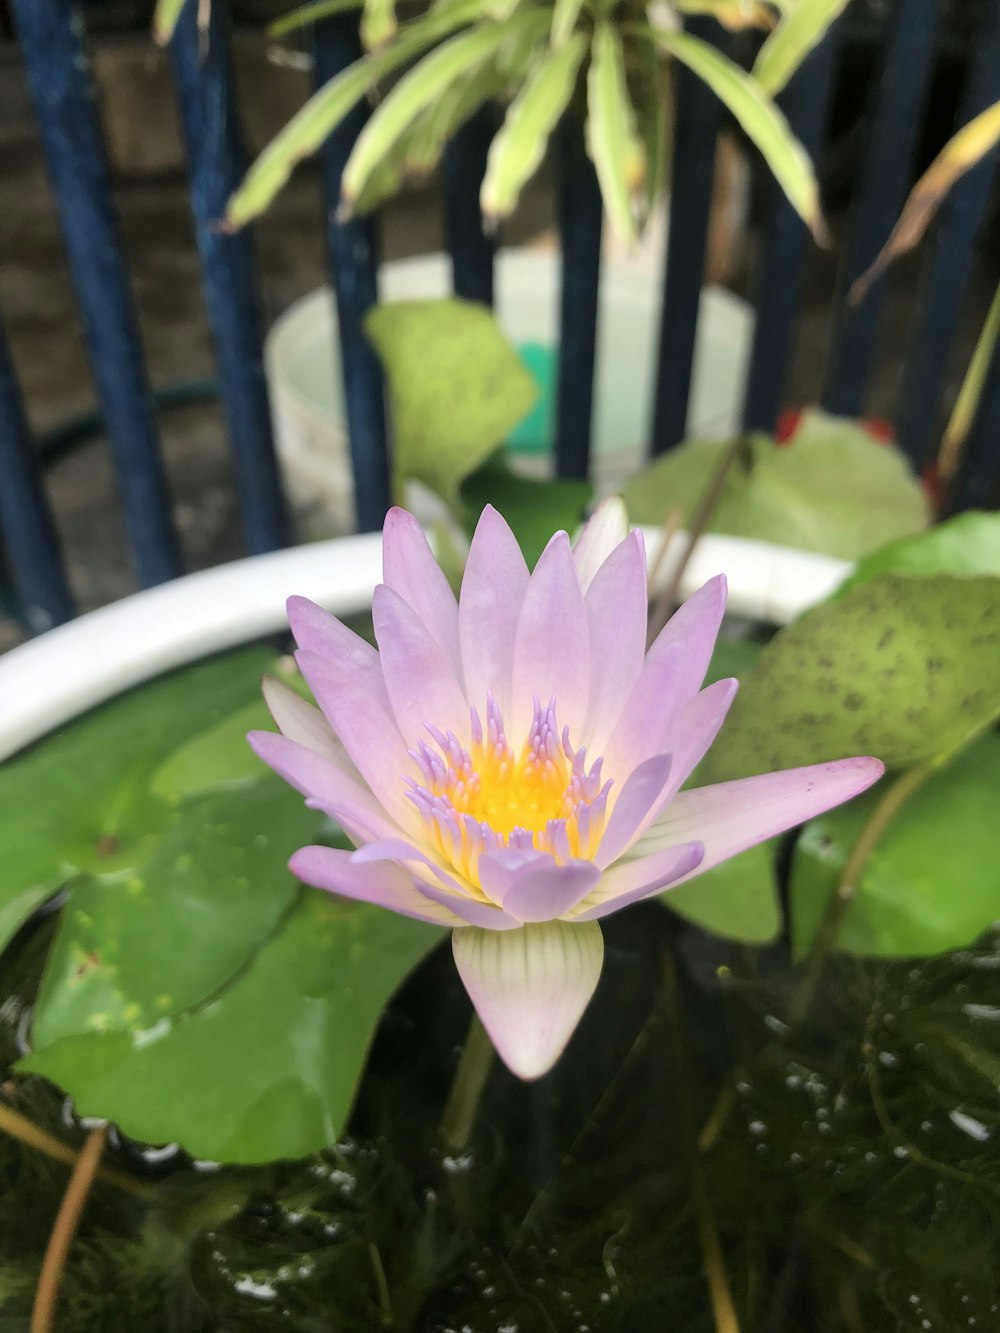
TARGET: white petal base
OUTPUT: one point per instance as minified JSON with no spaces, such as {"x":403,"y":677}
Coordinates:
{"x":530,"y":986}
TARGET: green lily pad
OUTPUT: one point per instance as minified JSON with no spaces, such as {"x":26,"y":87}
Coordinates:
{"x":534,"y":509}
{"x":737,"y":900}
{"x":833,"y":489}
{"x":79,"y":802}
{"x":457,"y":388}
{"x":182,"y":920}
{"x":268,"y":1068}
{"x":930,"y":884}
{"x":902,"y":668}
{"x":966,"y":544}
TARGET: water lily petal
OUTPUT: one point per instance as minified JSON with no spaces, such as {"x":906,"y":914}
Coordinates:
{"x":542,"y":892}
{"x":419,"y":675}
{"x":616,"y":613}
{"x":493,"y":588}
{"x":409,"y":568}
{"x":551,"y":644}
{"x":606,"y":528}
{"x":316,"y":631}
{"x":530,"y":987}
{"x":631,"y":881}
{"x":696,"y":727}
{"x":635,"y":808}
{"x":732,"y":816}
{"x":383,"y":884}
{"x":301,"y":721}
{"x":473,"y":913}
{"x":361,"y":718}
{"x":671,"y":676}
{"x":326,"y":786}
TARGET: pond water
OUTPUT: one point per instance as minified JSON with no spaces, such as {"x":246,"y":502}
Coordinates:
{"x":700,"y":1160}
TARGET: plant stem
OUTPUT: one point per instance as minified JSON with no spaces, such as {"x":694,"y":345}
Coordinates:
{"x":724,"y":1314}
{"x":707,"y":505}
{"x":895,"y":796}
{"x":467,"y":1089}
{"x":64,"y":1229}
{"x":21,"y":1128}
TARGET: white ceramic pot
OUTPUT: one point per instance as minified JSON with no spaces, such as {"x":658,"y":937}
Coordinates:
{"x":302,"y":354}
{"x":61,"y":674}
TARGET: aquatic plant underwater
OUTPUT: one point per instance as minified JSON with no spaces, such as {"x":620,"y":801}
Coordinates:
{"x":754,"y":1125}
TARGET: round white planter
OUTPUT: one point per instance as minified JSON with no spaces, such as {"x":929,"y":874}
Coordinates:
{"x":301,"y":354}
{"x":61,"y":674}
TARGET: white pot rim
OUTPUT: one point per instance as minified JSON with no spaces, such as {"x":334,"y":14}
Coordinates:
{"x":61,"y":674}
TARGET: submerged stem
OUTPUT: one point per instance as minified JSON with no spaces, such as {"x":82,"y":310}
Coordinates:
{"x":467,"y":1089}
{"x":895,"y":796}
{"x":27,"y":1132}
{"x":720,"y":1296}
{"x":64,"y":1230}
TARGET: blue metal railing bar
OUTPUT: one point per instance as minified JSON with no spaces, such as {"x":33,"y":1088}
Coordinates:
{"x":806,"y":103}
{"x":26,"y":527}
{"x":580,"y":217}
{"x":947,"y":276}
{"x":216,"y":162}
{"x":51,"y":36}
{"x":699,"y":114}
{"x":885,"y":179}
{"x":353,"y":251}
{"x":471,"y":249}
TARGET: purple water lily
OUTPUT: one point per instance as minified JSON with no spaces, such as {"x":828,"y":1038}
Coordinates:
{"x":510,"y":764}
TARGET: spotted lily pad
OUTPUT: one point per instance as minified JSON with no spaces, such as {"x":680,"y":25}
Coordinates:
{"x":903,"y":668}
{"x":966,"y":544}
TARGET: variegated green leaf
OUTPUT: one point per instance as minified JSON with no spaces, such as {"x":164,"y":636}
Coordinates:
{"x":655,"y":115}
{"x":799,"y":31}
{"x":416,"y":91}
{"x":759,"y":117}
{"x":564,"y":16}
{"x":165,"y":17}
{"x":312,"y":13}
{"x":517,"y":150}
{"x":427,"y":140}
{"x":378,"y":23}
{"x":611,"y":136}
{"x":326,"y":109}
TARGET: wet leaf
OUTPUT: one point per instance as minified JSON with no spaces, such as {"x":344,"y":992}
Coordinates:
{"x":966,"y":544}
{"x":456,"y":386}
{"x":268,"y":1069}
{"x":737,"y":900}
{"x":903,"y":668}
{"x":80,"y":802}
{"x":833,"y":489}
{"x":191,"y":909}
{"x":931,"y":882}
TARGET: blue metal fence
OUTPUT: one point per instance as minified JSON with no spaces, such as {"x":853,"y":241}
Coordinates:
{"x":52,"y":40}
